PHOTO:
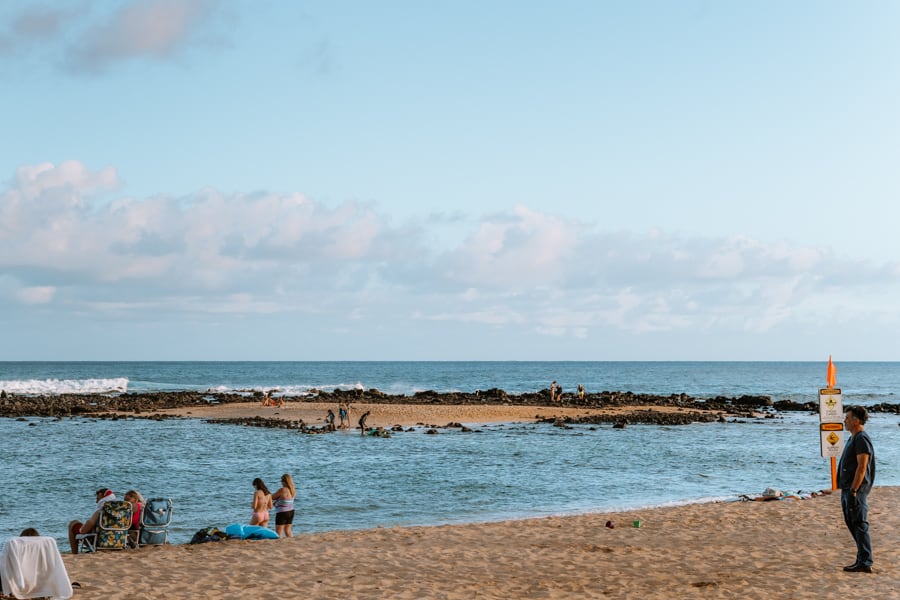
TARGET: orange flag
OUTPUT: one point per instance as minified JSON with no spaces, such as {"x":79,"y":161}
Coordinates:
{"x":832,"y":371}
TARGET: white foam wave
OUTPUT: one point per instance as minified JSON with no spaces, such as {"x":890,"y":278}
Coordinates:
{"x":65,"y":386}
{"x":287,"y":390}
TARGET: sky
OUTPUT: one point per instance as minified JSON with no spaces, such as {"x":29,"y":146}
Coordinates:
{"x":407,"y":180}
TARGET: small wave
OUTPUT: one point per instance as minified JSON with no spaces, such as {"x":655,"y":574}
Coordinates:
{"x":52,"y":387}
{"x":286,"y":390}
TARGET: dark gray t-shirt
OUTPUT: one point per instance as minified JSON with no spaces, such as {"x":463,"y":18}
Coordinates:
{"x":860,"y":443}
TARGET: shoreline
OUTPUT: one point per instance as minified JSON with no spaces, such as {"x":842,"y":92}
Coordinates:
{"x":724,"y":549}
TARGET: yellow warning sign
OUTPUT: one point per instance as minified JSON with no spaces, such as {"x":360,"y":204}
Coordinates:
{"x":831,"y":409}
{"x":832,"y":443}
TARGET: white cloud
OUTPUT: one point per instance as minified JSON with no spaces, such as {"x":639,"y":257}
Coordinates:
{"x":270,"y":254}
{"x":70,"y":176}
{"x":36,"y":295}
{"x":526,"y":248}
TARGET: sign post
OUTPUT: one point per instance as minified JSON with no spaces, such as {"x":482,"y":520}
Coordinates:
{"x":831,"y":422}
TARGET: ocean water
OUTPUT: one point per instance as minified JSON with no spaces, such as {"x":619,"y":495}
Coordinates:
{"x":867,"y":382}
{"x":346,"y":481}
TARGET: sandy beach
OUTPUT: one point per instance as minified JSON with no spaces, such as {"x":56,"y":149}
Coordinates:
{"x":777,"y":549}
{"x":387,"y":415}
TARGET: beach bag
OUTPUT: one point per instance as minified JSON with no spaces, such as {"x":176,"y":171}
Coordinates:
{"x":208,"y":534}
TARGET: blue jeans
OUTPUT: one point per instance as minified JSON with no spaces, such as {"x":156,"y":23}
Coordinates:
{"x":856,"y":513}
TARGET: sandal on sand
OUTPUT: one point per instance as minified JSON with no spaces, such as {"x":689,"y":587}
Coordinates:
{"x":76,"y":585}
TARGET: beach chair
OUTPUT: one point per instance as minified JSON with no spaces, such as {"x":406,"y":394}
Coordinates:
{"x":31,"y":567}
{"x":155,"y":521}
{"x":111,"y":532}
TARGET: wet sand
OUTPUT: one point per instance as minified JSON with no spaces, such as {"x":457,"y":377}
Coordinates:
{"x":387,"y":415}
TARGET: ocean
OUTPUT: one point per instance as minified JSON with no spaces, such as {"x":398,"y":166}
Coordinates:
{"x":505,"y":471}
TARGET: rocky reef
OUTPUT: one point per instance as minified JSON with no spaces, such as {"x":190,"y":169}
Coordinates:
{"x":689,"y":409}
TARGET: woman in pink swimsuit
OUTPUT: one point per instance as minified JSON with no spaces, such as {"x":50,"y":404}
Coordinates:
{"x":262,"y":502}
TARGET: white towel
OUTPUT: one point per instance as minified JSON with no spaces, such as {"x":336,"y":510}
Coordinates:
{"x":31,"y":567}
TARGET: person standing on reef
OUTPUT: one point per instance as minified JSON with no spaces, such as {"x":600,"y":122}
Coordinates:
{"x":552,"y":391}
{"x":580,"y":392}
{"x":344,"y":412}
{"x":856,"y":474}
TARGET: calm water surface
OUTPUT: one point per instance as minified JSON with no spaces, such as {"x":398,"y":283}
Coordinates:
{"x":346,"y":481}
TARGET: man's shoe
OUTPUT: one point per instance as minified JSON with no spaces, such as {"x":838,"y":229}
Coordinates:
{"x":858,"y":569}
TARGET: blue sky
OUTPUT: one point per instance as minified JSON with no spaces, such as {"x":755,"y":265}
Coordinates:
{"x":458,"y":180}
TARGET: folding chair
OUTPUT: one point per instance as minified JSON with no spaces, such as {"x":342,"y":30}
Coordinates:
{"x":155,"y":521}
{"x":111,"y":532}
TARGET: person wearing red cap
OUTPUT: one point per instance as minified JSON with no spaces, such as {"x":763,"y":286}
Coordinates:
{"x":102,"y":496}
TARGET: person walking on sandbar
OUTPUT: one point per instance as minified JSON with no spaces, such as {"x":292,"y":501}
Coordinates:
{"x":856,"y":474}
{"x":362,"y":422}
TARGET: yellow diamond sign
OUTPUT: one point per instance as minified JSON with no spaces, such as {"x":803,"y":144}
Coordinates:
{"x":833,"y":438}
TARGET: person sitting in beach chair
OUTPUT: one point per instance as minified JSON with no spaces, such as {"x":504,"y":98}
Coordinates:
{"x":111,"y":532}
{"x":76,"y":527}
{"x":137,"y":501}
{"x":31,"y":567}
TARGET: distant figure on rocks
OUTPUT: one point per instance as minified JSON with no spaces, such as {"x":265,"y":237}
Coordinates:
{"x":553,"y":391}
{"x":2,"y":393}
{"x":580,"y":392}
{"x":559,"y":393}
{"x":362,"y":422}
{"x":329,"y":420}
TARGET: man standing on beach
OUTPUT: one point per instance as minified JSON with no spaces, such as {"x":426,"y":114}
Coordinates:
{"x":856,"y":474}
